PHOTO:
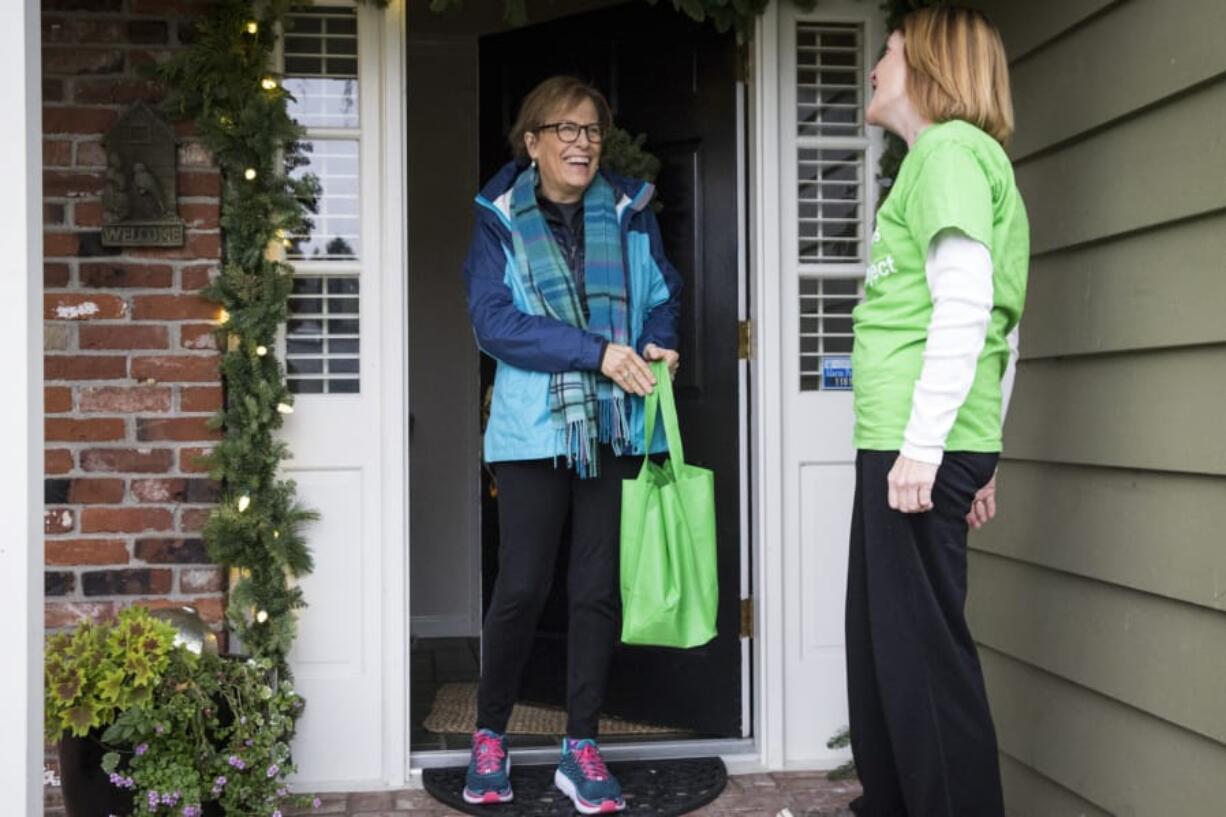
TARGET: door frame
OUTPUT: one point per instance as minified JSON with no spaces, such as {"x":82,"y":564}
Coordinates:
{"x":393,"y":237}
{"x":762,"y":397}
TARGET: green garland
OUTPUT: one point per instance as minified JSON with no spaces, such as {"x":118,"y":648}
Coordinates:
{"x":224,"y":82}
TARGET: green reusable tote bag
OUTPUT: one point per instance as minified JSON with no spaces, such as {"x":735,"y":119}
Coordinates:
{"x":670,"y":588}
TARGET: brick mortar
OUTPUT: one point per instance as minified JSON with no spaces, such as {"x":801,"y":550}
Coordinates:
{"x":100,"y":70}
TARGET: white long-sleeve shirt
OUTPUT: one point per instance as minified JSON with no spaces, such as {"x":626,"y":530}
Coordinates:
{"x":959,"y":272}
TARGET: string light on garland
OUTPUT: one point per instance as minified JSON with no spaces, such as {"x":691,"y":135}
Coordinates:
{"x":269,"y":84}
{"x":261,"y":616}
{"x":252,"y":27}
{"x":249,"y":174}
{"x":261,"y":351}
{"x":283,"y":408}
{"x":244,"y":502}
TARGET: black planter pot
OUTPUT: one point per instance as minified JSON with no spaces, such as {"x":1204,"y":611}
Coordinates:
{"x":87,"y":789}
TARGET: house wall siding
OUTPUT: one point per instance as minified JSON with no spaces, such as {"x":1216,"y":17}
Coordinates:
{"x":1096,"y":596}
{"x":131,"y":367}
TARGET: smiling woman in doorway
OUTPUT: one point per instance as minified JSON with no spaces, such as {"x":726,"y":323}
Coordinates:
{"x":943,"y":296}
{"x":569,"y":290}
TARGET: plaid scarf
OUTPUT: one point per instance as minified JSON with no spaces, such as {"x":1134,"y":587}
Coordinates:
{"x":586,"y":407}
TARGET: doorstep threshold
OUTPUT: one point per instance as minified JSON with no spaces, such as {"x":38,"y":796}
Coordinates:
{"x":655,"y":750}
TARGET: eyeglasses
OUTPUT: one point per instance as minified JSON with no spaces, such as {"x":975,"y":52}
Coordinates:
{"x":569,"y":131}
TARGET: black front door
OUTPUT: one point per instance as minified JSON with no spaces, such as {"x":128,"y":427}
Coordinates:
{"x":675,"y":81}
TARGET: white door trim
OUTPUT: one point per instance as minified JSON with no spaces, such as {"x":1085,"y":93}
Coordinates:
{"x":21,"y":291}
{"x":766,"y":375}
{"x":393,"y":235}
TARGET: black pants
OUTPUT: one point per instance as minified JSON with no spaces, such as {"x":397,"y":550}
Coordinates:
{"x":534,"y":498}
{"x":921,"y":732}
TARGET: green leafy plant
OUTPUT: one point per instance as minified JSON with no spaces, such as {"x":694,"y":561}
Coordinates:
{"x":214,"y":730}
{"x":841,"y":740}
{"x":97,"y":671}
{"x":625,"y":155}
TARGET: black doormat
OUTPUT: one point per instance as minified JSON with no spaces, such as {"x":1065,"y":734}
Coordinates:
{"x":652,"y":788}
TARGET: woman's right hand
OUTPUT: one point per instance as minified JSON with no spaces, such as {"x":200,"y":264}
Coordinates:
{"x":623,"y":366}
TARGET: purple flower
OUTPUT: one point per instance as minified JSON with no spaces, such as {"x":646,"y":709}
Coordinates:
{"x":277,"y":813}
{"x":122,"y":782}
{"x":159,"y":728}
{"x":218,"y":785}
{"x":191,"y":811}
{"x":281,"y":792}
{"x":141,"y":749}
{"x":272,"y":770}
{"x":249,"y":742}
{"x":153,"y":801}
{"x":316,"y":803}
{"x":237,"y":762}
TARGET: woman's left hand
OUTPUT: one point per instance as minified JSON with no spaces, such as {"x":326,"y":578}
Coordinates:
{"x":910,"y":482}
{"x":673,"y":358}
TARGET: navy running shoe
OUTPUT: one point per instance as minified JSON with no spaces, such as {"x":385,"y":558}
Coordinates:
{"x":489,"y":770}
{"x":583,"y":777}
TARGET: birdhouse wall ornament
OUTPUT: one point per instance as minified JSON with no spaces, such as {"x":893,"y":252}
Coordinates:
{"x":140,"y":194}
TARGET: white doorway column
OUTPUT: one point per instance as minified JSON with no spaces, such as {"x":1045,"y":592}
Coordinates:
{"x":21,"y":544}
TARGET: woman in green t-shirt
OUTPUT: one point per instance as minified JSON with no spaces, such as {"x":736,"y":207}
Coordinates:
{"x":934,"y":340}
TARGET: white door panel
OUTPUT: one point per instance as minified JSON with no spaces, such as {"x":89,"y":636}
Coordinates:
{"x":827,"y":189}
{"x":345,"y":343}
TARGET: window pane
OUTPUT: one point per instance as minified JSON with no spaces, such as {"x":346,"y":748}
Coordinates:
{"x":826,"y":332}
{"x":829,"y":80}
{"x":335,"y":225}
{"x":830,"y":204}
{"x":321,"y":69}
{"x":321,"y":353}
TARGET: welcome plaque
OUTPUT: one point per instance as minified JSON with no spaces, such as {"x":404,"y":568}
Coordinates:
{"x":140,"y":196}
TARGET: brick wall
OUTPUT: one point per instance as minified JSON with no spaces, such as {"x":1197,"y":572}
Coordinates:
{"x":131,"y":367}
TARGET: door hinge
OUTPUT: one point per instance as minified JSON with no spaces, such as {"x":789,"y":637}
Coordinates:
{"x":744,"y":342}
{"x":747,"y":618}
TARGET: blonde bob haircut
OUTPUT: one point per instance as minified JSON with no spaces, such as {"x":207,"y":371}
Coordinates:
{"x":956,"y":68}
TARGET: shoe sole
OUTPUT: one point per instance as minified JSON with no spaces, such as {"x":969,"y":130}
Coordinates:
{"x":490,"y":798}
{"x":567,"y":787}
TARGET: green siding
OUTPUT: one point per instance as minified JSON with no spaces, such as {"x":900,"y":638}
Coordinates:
{"x":1123,"y":760}
{"x":1025,"y":26}
{"x":1068,"y":88}
{"x":1091,"y":633}
{"x":1159,"y":410}
{"x":1099,"y":594}
{"x":1164,"y":164}
{"x":1149,"y":290}
{"x":1041,"y":796}
{"x":1156,"y":533}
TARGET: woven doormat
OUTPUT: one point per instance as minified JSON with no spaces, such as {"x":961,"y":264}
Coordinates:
{"x":455,"y":712}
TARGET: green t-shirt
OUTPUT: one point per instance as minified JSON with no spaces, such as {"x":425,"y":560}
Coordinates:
{"x":955,"y":176}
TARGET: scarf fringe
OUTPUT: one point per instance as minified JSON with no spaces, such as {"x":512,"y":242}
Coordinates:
{"x":578,"y":441}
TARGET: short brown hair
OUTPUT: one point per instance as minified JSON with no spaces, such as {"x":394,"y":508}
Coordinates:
{"x":957,"y":69}
{"x":555,"y":93}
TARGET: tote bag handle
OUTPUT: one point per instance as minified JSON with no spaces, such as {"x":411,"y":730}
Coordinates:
{"x":661,"y":400}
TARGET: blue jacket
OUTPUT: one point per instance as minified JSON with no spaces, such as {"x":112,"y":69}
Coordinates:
{"x":529,"y":347}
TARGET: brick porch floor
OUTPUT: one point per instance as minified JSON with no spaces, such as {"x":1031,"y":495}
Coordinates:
{"x":804,"y":794}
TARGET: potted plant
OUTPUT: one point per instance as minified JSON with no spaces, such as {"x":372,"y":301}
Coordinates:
{"x":92,"y":674}
{"x":216,"y":731}
{"x":166,"y":731}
